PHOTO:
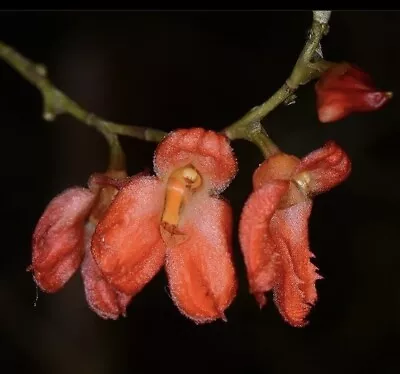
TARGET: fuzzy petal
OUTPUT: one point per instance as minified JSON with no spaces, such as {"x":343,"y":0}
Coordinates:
{"x":279,"y":166}
{"x":111,"y":178}
{"x":209,"y":152}
{"x":102,"y":298}
{"x":294,"y":288}
{"x":326,"y":167}
{"x":58,"y":238}
{"x":127,"y":245}
{"x":345,"y":89}
{"x":256,"y":243}
{"x":200,"y":269}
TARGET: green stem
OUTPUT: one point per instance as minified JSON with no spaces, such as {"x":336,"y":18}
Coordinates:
{"x":117,"y":155}
{"x":57,"y":103}
{"x":308,"y":66}
{"x":258,"y":136}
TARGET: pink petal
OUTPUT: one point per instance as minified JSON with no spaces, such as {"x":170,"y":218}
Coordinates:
{"x":294,"y":290}
{"x":58,"y":238}
{"x":102,"y":298}
{"x":200,"y":269}
{"x":278,"y":166}
{"x":327,"y":167}
{"x":209,"y":152}
{"x":344,"y":89}
{"x":256,"y":243}
{"x":127,"y":245}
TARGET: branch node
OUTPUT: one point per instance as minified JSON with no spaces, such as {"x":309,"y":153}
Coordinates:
{"x":49,"y":116}
{"x":255,"y":127}
{"x":290,"y":100}
{"x":56,"y":102}
{"x":303,"y":72}
{"x":41,"y":70}
{"x":91,"y":119}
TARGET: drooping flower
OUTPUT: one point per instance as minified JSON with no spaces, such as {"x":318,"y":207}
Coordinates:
{"x":62,"y":238}
{"x":344,"y":89}
{"x":273,"y":228}
{"x":177,"y":219}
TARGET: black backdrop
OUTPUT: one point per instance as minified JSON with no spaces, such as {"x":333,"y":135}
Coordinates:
{"x":183,"y":69}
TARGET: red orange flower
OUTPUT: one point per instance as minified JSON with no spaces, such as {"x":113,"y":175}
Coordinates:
{"x":176,"y":219}
{"x":344,"y":89}
{"x":61,"y":243}
{"x":273,"y":228}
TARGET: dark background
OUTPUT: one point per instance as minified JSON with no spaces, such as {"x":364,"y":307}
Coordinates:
{"x":183,"y":69}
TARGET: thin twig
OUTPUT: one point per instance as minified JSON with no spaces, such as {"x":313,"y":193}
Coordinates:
{"x":309,"y":66}
{"x":57,"y":103}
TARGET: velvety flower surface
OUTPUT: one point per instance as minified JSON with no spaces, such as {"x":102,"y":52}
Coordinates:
{"x":344,"y":89}
{"x":273,"y":228}
{"x":61,"y":244}
{"x":175,"y":219}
